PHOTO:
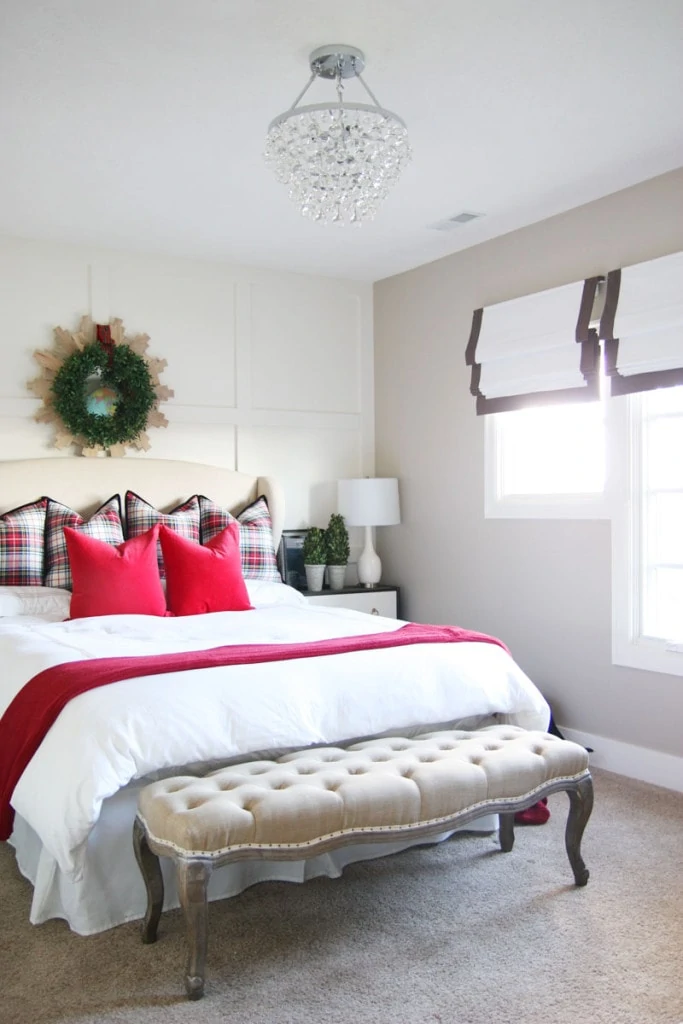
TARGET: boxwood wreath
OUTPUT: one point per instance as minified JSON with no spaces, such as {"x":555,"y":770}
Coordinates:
{"x":100,"y":388}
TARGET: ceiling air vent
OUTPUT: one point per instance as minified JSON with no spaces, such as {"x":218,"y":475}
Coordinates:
{"x":455,"y":221}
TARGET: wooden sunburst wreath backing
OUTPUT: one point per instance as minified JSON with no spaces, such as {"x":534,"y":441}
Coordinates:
{"x":66,"y":344}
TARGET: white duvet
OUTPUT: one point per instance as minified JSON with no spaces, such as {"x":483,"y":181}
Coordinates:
{"x":109,"y":736}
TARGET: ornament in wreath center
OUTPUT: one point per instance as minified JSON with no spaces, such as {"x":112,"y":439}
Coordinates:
{"x":100,"y":389}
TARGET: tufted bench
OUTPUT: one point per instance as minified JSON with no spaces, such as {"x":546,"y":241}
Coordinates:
{"x":312,"y":801}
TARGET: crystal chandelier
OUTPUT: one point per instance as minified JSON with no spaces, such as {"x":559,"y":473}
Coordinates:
{"x":338,"y":159}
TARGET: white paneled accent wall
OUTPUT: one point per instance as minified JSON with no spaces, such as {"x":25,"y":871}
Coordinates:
{"x":272,"y":372}
{"x":319,"y":331}
{"x":188,"y":310}
{"x":302,"y":453}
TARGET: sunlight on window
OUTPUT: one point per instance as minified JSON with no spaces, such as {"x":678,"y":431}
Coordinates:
{"x":664,"y":440}
{"x":662,"y":514}
{"x":663,"y":605}
{"x":552,"y":450}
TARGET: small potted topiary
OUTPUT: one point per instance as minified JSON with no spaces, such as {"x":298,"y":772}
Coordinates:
{"x":314,"y":553}
{"x":337,"y":540}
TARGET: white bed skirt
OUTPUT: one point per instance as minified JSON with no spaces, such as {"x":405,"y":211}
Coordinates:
{"x":111,"y":890}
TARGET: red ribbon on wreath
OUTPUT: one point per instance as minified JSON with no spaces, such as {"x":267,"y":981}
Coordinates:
{"x":106,"y":341}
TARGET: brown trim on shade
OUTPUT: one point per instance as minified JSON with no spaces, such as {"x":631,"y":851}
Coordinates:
{"x":590,"y":356}
{"x":564,"y":396}
{"x":590,"y":289}
{"x":471,"y":350}
{"x":637,"y":382}
{"x":610,"y":308}
{"x":611,"y":353}
{"x":589,"y":360}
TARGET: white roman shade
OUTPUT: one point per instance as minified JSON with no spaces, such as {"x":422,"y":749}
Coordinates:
{"x":535,"y":350}
{"x":642,"y":325}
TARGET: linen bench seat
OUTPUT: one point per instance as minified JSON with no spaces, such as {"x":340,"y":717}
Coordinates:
{"x":315,"y":800}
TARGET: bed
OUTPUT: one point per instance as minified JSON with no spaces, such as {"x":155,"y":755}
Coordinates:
{"x":75,"y":801}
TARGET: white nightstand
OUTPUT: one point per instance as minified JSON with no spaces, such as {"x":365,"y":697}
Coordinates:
{"x":381,"y":600}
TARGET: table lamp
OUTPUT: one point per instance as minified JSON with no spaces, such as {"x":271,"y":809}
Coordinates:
{"x":372,"y":501}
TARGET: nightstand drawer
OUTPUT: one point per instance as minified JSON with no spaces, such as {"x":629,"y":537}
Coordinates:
{"x":375,"y":602}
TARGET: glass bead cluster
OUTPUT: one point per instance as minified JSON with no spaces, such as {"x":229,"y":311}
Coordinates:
{"x":339,"y":164}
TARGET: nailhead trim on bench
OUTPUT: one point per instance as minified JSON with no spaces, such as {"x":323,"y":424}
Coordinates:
{"x":484,"y":807}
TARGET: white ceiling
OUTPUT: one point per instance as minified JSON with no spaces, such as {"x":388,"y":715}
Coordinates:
{"x":140,"y":123}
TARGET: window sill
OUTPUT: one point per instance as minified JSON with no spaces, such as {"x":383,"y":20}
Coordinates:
{"x":547,"y":506}
{"x":649,"y":655}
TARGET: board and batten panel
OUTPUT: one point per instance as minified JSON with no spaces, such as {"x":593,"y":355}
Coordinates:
{"x":307,"y":461}
{"x":272,"y":372}
{"x":188,"y":310}
{"x":21,"y":437}
{"x":40,"y":288}
{"x":213,"y":444}
{"x":305,"y":346}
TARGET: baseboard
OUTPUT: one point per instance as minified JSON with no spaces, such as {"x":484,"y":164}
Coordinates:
{"x":635,"y":762}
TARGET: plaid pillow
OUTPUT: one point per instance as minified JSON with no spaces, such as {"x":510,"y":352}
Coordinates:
{"x":22,"y":545}
{"x":256,"y":536}
{"x":105,"y":525}
{"x":141,"y":516}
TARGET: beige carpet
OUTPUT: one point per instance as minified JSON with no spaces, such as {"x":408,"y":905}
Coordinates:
{"x":453,"y":934}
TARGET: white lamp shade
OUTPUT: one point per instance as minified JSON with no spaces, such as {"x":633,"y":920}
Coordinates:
{"x":369,"y":502}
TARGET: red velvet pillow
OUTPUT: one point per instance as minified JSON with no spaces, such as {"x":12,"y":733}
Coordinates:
{"x":108,"y":579}
{"x":204,"y":578}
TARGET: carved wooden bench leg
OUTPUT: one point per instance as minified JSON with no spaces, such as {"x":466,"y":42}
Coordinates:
{"x":154,"y":882}
{"x":193,"y":880}
{"x":506,"y":831}
{"x":580,"y":807}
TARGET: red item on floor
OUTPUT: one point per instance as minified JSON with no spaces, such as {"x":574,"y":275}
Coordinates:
{"x":538,"y":814}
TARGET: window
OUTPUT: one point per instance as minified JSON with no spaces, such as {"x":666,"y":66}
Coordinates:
{"x":557,"y":447}
{"x":662,"y":514}
{"x":648,"y":538}
{"x":548,"y":462}
{"x":573,"y":461}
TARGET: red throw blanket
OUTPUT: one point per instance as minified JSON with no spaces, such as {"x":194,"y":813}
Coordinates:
{"x":38,"y":703}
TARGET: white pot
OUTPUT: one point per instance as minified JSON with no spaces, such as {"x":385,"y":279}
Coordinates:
{"x":336,"y":575}
{"x":315,"y":574}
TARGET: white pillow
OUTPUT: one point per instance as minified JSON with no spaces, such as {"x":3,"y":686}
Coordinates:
{"x":263,"y":592}
{"x":50,"y":601}
{"x":55,"y":602}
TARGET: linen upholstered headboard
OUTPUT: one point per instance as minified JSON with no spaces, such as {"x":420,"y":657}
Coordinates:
{"x":83,"y":484}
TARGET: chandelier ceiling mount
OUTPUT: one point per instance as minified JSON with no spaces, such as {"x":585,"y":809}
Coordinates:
{"x":332,"y":61}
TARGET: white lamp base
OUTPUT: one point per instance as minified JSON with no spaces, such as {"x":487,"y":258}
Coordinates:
{"x":369,"y":564}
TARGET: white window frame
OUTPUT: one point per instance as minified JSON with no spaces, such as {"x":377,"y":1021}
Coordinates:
{"x":629,"y":647}
{"x":619,"y":503}
{"x":540,"y":506}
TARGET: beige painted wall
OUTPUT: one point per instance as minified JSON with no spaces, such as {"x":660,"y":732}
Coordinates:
{"x":544,"y":586}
